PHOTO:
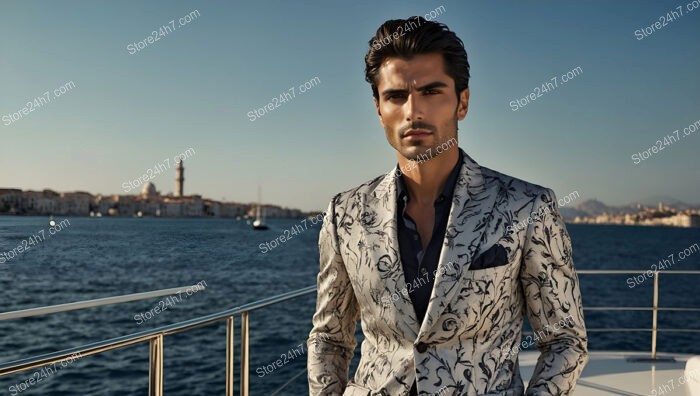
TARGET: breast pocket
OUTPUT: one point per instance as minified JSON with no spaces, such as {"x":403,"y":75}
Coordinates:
{"x":495,"y":256}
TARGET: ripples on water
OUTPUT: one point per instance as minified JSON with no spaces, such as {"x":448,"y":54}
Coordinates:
{"x":101,"y":257}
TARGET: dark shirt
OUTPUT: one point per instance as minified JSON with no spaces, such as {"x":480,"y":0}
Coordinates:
{"x":419,"y":266}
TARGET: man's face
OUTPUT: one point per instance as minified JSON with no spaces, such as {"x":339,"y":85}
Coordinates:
{"x":417,"y":105}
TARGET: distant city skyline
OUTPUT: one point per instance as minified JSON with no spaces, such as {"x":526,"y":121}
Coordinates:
{"x":566,"y":202}
{"x":567,"y":96}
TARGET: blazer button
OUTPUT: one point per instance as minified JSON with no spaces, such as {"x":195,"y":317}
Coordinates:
{"x":421,"y":347}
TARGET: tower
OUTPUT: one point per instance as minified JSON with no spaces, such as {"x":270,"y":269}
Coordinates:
{"x":179,"y":179}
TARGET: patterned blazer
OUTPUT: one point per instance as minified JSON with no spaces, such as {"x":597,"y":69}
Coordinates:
{"x":506,"y":253}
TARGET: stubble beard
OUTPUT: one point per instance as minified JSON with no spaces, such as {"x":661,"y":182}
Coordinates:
{"x":420,"y":150}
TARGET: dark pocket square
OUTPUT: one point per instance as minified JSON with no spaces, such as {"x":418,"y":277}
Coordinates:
{"x":495,"y":256}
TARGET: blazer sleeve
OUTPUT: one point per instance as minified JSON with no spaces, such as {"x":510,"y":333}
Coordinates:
{"x":331,"y":343}
{"x":553,"y":300}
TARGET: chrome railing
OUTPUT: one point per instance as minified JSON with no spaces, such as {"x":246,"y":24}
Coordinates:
{"x":26,"y":313}
{"x":655,"y":308}
{"x":155,"y":338}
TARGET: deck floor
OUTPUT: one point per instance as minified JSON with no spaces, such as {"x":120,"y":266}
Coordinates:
{"x":609,"y":373}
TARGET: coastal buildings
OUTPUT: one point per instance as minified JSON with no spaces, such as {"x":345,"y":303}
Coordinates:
{"x":148,"y":203}
{"x":661,"y":216}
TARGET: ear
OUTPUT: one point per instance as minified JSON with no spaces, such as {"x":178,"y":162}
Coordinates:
{"x":379,"y":112}
{"x":463,"y":106}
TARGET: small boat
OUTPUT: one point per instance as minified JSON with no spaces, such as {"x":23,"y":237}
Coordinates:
{"x":259,"y":223}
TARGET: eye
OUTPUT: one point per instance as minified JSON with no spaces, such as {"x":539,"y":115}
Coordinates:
{"x":431,"y":91}
{"x":395,"y":96}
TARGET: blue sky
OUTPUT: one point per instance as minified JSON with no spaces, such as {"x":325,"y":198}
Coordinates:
{"x":194,"y":87}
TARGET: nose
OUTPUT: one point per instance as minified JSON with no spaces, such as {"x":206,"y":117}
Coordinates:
{"x":414,"y":109}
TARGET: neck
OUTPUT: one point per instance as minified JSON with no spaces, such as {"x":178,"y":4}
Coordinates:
{"x":425,"y":180}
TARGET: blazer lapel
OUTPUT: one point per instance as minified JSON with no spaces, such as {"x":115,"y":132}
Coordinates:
{"x":470,"y":213}
{"x":389,"y":260}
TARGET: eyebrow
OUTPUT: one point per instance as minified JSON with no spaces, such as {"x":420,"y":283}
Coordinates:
{"x":435,"y":84}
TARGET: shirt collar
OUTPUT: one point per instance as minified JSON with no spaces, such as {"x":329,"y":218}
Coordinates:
{"x":447,"y":190}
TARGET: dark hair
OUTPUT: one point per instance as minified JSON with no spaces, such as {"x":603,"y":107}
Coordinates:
{"x":405,"y":38}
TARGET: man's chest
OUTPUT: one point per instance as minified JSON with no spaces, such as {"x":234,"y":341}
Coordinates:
{"x":424,"y":219}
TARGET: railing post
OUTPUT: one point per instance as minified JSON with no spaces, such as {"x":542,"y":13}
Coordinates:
{"x":155,"y":370}
{"x":244,"y":353}
{"x":230,"y":332}
{"x":655,"y":315}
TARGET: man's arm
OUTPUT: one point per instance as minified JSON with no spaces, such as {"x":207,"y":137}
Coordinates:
{"x":331,"y":343}
{"x":553,"y":301}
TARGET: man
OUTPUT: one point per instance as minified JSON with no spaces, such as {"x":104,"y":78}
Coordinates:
{"x":440,"y":258}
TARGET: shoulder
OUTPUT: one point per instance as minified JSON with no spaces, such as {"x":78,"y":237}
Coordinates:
{"x":511,"y":182}
{"x":518,"y":190}
{"x":360,"y":192}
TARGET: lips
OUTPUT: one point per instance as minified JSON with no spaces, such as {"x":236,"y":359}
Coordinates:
{"x":417,"y":133}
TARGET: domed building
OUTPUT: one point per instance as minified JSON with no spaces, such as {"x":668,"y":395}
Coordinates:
{"x":149,"y":191}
